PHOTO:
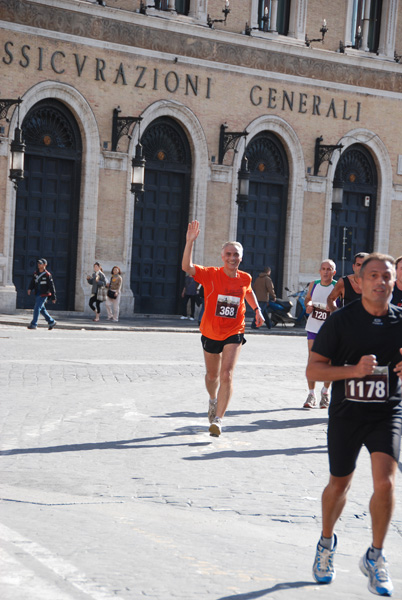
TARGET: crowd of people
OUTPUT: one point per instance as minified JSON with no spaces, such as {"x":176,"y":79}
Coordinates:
{"x":354,"y":337}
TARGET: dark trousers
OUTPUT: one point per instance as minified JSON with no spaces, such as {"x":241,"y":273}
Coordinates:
{"x":192,"y":305}
{"x":94,"y":300}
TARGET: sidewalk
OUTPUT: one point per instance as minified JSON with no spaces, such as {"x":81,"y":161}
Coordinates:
{"x":138,"y":322}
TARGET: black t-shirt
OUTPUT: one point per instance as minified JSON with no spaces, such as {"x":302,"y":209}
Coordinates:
{"x":352,"y":332}
{"x":397,"y":296}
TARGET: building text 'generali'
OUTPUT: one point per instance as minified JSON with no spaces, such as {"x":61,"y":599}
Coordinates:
{"x":155,"y":79}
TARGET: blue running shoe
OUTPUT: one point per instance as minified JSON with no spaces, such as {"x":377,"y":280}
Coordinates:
{"x":323,"y":567}
{"x":379,"y":581}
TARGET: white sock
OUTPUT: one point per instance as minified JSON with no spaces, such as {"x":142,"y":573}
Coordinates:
{"x":324,"y":390}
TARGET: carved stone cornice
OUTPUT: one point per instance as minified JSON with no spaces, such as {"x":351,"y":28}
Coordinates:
{"x":130,"y":34}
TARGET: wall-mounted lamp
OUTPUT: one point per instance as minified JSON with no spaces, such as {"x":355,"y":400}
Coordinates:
{"x":138,"y":170}
{"x":121,"y":126}
{"x":264,"y":19}
{"x":397,"y":57}
{"x":323,"y":31}
{"x":337,"y":194}
{"x":17,"y":148}
{"x":244,"y":183}
{"x":356,"y":45}
{"x":225,"y":11}
{"x":323,"y":152}
{"x":228,"y":141}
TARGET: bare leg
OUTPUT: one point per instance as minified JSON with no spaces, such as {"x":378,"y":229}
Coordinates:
{"x":383,"y":499}
{"x":333,"y":502}
{"x":213,"y":368}
{"x":311,"y":384}
{"x":230,"y":355}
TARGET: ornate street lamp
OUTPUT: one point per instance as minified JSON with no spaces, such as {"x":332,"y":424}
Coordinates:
{"x":138,"y":172}
{"x":244,"y":183}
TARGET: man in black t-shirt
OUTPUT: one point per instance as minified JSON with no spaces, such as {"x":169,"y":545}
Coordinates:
{"x":359,"y":349}
{"x":397,"y":293}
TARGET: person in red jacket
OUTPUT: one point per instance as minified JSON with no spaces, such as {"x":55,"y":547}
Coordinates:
{"x":43,"y":286}
{"x":223,"y":323}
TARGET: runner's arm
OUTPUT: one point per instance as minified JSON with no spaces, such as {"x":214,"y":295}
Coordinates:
{"x":307,"y":301}
{"x":339,"y":289}
{"x":252,"y":301}
{"x":193,"y":231}
{"x":398,"y":367}
{"x":319,"y":368}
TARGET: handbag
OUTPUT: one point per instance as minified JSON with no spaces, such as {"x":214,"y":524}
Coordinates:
{"x":101,"y":293}
{"x":112,"y":294}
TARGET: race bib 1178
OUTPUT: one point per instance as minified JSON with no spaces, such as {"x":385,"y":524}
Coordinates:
{"x":372,"y":388}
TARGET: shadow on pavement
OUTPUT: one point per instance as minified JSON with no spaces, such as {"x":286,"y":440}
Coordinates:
{"x":259,"y":453}
{"x":275,"y":588}
{"x":116,"y":445}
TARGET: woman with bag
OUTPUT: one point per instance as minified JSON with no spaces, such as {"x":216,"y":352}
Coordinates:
{"x":113,"y":295}
{"x":98,"y":282}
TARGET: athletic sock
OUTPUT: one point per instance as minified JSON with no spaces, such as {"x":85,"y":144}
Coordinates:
{"x":327,"y":542}
{"x":312,"y":392}
{"x":324,"y":390}
{"x":374,"y":553}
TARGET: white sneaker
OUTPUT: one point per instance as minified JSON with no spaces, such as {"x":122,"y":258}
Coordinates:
{"x":324,"y":402}
{"x":311,"y":401}
{"x":212,"y":409}
{"x":323,"y":567}
{"x":182,"y":318}
{"x":215,"y":429}
{"x":379,"y":581}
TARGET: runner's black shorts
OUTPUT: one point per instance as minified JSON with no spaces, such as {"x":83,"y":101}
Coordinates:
{"x":350,"y":428}
{"x":216,"y":346}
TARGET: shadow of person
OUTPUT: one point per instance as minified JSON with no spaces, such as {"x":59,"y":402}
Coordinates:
{"x":276,"y":588}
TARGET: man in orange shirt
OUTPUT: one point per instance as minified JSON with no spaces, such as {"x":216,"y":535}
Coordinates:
{"x":223,"y":323}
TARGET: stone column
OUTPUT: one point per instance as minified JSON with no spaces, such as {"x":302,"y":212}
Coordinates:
{"x":274,"y":16}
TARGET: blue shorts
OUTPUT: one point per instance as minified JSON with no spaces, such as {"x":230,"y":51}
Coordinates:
{"x":311,"y":335}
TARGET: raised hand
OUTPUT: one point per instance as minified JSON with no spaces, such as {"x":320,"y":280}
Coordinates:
{"x":193,"y":231}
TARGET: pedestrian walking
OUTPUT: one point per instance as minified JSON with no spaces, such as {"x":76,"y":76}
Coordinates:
{"x":43,"y":286}
{"x":265,"y":294}
{"x":223,"y":323}
{"x":113,"y":294}
{"x":189,"y":293}
{"x":359,"y":349}
{"x":98,"y":295}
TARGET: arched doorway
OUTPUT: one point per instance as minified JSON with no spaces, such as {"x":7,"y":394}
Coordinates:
{"x":47,"y":205}
{"x":261,"y":225}
{"x":160,"y":219}
{"x":353,"y":220}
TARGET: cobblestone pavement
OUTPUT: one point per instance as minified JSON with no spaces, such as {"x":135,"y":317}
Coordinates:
{"x":112,"y":489}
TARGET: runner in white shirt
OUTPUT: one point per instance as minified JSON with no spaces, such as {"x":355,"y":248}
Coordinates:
{"x":316,"y":307}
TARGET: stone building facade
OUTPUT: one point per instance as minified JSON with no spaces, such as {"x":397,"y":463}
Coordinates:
{"x":261,"y":85}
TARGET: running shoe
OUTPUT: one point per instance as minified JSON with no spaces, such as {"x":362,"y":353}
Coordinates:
{"x":51,"y":325}
{"x":215,"y":429}
{"x":323,"y":567}
{"x":379,"y":581}
{"x":324,"y":402}
{"x":212,"y":410}
{"x":311,"y":401}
